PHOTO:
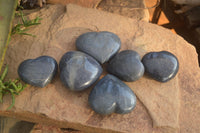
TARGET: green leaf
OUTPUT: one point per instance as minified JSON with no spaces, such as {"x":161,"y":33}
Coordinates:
{"x":7,"y":12}
{"x":1,"y":97}
{"x":12,"y":87}
{"x":2,"y":85}
{"x":21,"y":28}
{"x":4,"y":73}
{"x":13,"y":99}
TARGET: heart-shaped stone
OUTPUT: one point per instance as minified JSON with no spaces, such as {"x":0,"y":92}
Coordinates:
{"x":78,"y":70}
{"x":126,"y":65}
{"x":100,"y":45}
{"x":112,"y":95}
{"x":38,"y":72}
{"x":162,"y":66}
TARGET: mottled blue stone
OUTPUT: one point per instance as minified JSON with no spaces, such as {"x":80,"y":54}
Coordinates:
{"x":162,"y":66}
{"x":100,"y":45}
{"x":126,"y":65}
{"x":78,"y":70}
{"x":38,"y":72}
{"x":112,"y":95}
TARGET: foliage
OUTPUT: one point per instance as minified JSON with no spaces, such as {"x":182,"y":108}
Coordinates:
{"x":7,"y":12}
{"x":9,"y":87}
{"x":22,"y":28}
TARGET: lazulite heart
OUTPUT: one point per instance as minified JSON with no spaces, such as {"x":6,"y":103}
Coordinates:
{"x":126,"y":65}
{"x":78,"y":70}
{"x":100,"y":45}
{"x":162,"y":66}
{"x":38,"y":72}
{"x":112,"y":95}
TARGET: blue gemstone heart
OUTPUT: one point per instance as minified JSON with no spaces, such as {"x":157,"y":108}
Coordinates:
{"x":162,"y":66}
{"x":38,"y":72}
{"x":100,"y":45}
{"x":112,"y":95}
{"x":126,"y":65}
{"x":78,"y":70}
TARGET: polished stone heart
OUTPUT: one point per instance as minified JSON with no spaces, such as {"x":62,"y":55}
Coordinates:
{"x":126,"y":65}
{"x":100,"y":45}
{"x":38,"y":72}
{"x":112,"y":95}
{"x":78,"y":70}
{"x":162,"y":66}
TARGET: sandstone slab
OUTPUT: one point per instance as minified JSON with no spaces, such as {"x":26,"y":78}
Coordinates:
{"x":159,"y":104}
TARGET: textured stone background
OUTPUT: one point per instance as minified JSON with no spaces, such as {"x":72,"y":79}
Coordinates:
{"x":162,"y":107}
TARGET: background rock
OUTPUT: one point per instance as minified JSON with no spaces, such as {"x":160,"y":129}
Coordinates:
{"x":113,"y":6}
{"x":129,"y":8}
{"x":85,"y":3}
{"x":162,"y":107}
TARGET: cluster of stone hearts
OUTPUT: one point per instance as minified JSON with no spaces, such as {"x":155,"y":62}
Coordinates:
{"x":79,"y":70}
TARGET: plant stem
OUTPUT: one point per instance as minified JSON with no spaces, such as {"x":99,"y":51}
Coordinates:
{"x":4,"y":73}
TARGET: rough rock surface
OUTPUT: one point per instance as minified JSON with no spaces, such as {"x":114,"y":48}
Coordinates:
{"x":129,"y":8}
{"x":85,"y":3}
{"x":38,"y":128}
{"x":113,"y":6}
{"x":162,"y":107}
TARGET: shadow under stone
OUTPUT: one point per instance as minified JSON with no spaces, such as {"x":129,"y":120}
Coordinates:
{"x":11,"y":125}
{"x":22,"y":127}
